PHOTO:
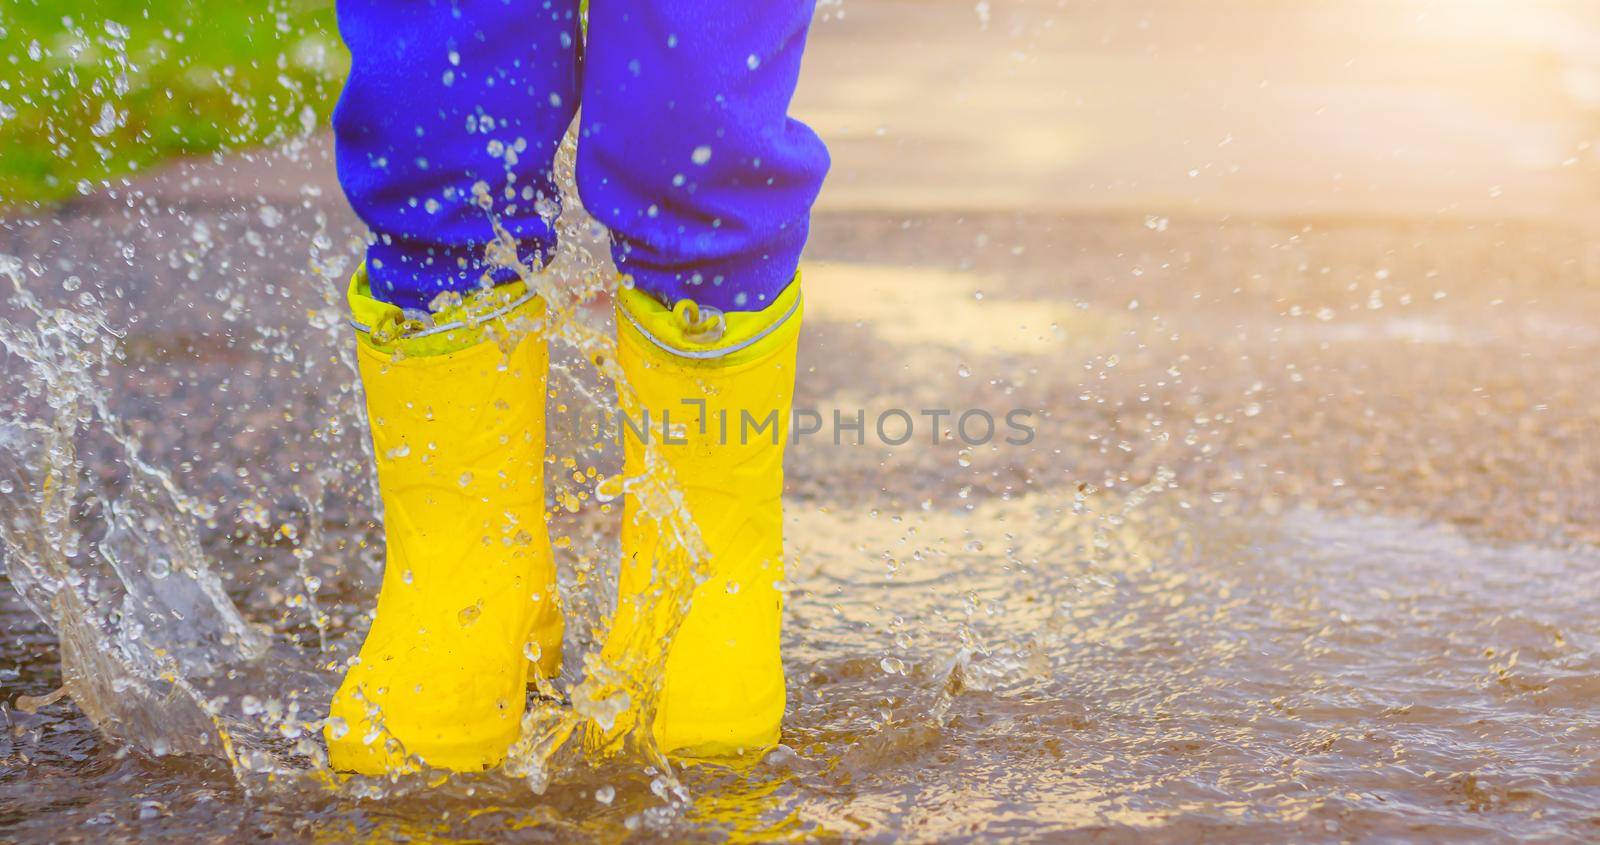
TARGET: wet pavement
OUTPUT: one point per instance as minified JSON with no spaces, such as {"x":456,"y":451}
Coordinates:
{"x":1305,"y":547}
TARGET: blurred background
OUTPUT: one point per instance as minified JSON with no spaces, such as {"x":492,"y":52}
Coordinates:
{"x":1456,"y":108}
{"x":1404,"y":107}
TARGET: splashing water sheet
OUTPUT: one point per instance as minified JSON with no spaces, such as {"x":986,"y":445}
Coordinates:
{"x":1280,"y":531}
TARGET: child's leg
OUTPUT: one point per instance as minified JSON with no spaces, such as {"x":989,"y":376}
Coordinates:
{"x":688,"y":154}
{"x":443,"y":96}
{"x":689,"y":157}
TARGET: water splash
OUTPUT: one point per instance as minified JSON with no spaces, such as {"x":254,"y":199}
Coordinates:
{"x":114,"y":569}
{"x":154,"y":651}
{"x":610,"y":709}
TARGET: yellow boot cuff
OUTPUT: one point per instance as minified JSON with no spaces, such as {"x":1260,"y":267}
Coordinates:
{"x":503,"y":311}
{"x":707,"y":337}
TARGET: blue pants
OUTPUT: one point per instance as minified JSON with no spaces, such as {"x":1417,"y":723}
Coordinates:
{"x":686,"y":152}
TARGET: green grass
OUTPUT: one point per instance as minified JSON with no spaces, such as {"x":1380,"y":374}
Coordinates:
{"x":91,"y":90}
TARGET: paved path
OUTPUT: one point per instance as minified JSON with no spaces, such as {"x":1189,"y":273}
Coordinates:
{"x":1254,"y":106}
{"x":1303,"y":294}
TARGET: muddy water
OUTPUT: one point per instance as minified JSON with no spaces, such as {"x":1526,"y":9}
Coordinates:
{"x":1303,"y":547}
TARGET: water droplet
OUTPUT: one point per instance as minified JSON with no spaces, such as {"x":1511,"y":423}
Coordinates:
{"x":893,"y":665}
{"x":533,"y":651}
{"x":752,"y":61}
{"x":964,"y":458}
{"x":160,"y":568}
{"x":605,"y":794}
{"x":733,"y":588}
{"x":964,"y":371}
{"x":107,"y":123}
{"x":465,"y":479}
{"x":398,"y":452}
{"x":701,"y":155}
{"x":470,"y":614}
{"x":337,"y":728}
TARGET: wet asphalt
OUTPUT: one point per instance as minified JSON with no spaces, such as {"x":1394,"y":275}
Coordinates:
{"x":1378,"y":305}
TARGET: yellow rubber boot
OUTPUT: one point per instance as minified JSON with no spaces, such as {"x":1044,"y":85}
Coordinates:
{"x":457,"y":418}
{"x":726,"y":383}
